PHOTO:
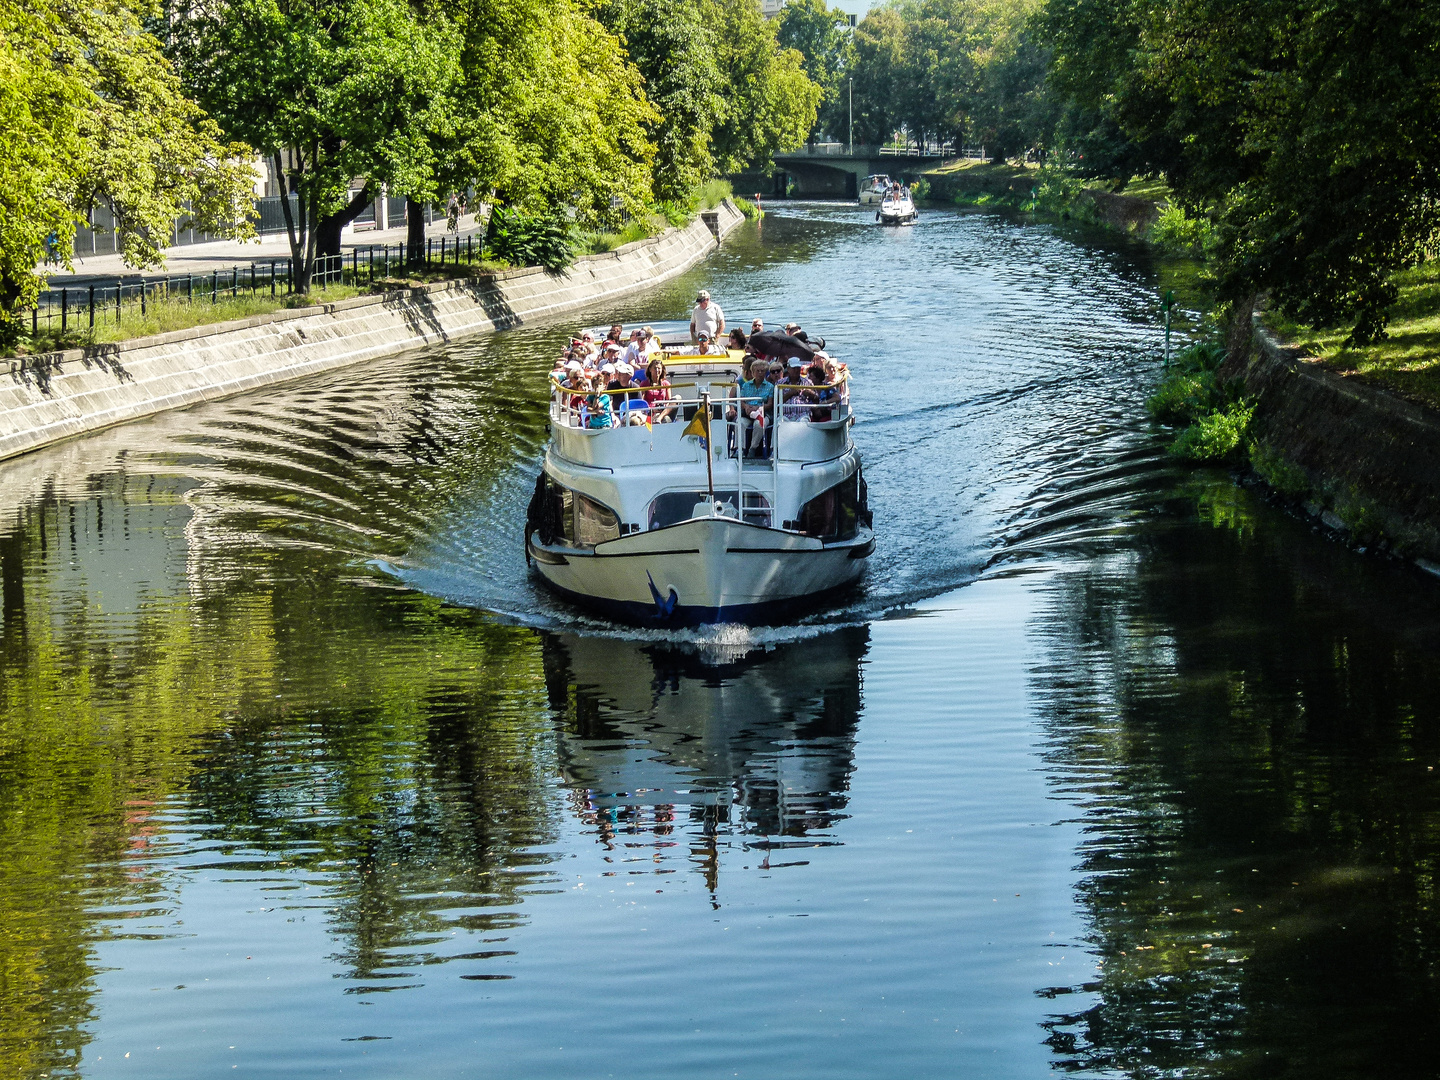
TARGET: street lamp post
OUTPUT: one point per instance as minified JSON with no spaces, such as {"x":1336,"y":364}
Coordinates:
{"x":851,"y":82}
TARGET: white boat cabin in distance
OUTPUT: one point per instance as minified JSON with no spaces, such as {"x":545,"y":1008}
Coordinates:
{"x":873,"y":189}
{"x":711,"y":499}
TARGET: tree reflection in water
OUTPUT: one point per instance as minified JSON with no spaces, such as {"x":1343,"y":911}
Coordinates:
{"x":1248,"y":720}
{"x":655,"y":740}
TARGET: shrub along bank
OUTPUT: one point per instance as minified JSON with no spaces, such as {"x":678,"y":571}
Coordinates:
{"x":1143,"y":208}
{"x":1349,"y":436}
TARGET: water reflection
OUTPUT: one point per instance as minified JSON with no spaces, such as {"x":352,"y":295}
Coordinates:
{"x":656,"y":742}
{"x":371,"y":761}
{"x":1248,"y":718}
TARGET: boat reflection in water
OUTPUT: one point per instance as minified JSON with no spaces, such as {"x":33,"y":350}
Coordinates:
{"x":656,"y":742}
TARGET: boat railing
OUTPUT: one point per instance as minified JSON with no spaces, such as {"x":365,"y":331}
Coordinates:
{"x":574,"y":408}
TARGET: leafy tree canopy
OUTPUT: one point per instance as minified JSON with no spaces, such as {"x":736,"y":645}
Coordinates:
{"x":961,"y":70}
{"x":329,"y":91}
{"x":1307,"y":126}
{"x":767,"y":102}
{"x":821,"y":35}
{"x":90,"y":111}
{"x":673,"y":48}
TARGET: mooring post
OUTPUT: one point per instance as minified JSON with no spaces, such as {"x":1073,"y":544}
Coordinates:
{"x":1167,"y":302}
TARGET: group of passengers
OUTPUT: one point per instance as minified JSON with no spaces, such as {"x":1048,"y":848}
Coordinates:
{"x":616,"y":381}
{"x":808,"y":391}
{"x":623,"y":381}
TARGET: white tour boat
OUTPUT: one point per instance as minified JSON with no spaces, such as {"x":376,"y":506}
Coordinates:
{"x":873,"y":189}
{"x":897,"y":209}
{"x":659,"y":524}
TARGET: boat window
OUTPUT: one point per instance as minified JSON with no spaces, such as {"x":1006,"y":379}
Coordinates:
{"x":834,"y":514}
{"x":590,"y":523}
{"x":567,"y":515}
{"x":673,"y":507}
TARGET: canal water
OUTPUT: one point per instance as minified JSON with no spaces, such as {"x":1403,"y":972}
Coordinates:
{"x":1109,"y":767}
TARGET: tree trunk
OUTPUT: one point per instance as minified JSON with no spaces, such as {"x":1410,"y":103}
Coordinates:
{"x":327,"y":230}
{"x":295,"y":231}
{"x":415,"y":231}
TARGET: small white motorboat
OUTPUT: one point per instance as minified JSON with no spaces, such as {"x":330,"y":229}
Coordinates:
{"x":897,"y":208}
{"x":663,"y":519}
{"x":873,"y":189}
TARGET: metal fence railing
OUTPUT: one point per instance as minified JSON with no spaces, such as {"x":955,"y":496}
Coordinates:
{"x":83,"y":308}
{"x":925,"y":151}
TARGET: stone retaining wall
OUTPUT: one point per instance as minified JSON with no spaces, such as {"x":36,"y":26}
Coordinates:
{"x":58,"y":395}
{"x":1361,"y":459}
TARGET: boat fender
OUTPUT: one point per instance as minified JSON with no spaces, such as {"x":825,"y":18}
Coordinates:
{"x":540,"y":516}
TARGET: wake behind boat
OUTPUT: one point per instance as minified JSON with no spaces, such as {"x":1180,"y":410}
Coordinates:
{"x":705,"y":493}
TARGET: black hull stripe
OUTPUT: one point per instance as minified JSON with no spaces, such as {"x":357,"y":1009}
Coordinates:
{"x":641,"y":614}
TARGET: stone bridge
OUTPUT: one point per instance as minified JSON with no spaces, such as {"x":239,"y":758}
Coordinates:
{"x":834,"y":170}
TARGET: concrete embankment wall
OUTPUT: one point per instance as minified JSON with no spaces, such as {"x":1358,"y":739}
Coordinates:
{"x":58,"y":395}
{"x":1361,"y":459}
{"x":1125,"y":213}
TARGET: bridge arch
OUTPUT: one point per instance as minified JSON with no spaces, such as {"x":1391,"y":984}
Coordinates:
{"x":834,"y":171}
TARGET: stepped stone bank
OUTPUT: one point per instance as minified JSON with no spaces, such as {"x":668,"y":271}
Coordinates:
{"x":1361,"y":459}
{"x":58,"y":395}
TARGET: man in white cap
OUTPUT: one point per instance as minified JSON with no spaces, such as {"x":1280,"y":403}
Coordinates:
{"x":706,"y":317}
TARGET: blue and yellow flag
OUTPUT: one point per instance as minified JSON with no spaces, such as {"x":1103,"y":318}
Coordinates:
{"x":700,"y":426}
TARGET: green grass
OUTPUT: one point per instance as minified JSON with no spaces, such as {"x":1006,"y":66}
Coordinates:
{"x":1146,"y":187}
{"x":748,"y":208}
{"x":714,"y":192}
{"x":1407,"y":361}
{"x":163,"y":316}
{"x":972,"y":168}
{"x":637,"y":229}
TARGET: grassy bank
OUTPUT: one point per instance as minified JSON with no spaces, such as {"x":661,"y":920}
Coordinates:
{"x":162,"y":316}
{"x":979,"y":183}
{"x":1143,"y":207}
{"x":1407,"y":362}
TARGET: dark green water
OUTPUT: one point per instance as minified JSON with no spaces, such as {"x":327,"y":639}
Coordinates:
{"x":1108,"y":767}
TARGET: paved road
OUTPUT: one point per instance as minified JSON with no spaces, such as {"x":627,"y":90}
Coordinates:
{"x":201,"y":259}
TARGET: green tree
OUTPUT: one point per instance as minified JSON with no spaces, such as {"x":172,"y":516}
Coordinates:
{"x":952,"y":70}
{"x":821,"y":34}
{"x":578,"y":124}
{"x":93,"y":112}
{"x":674,"y":50}
{"x":767,"y":102}
{"x":329,"y":91}
{"x":1306,"y":127}
{"x":879,"y":69}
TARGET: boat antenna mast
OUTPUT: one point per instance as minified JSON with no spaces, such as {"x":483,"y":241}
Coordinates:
{"x":705,"y":442}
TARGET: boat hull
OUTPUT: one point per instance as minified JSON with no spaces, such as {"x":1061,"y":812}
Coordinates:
{"x":707,"y":570}
{"x":906,"y":217}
